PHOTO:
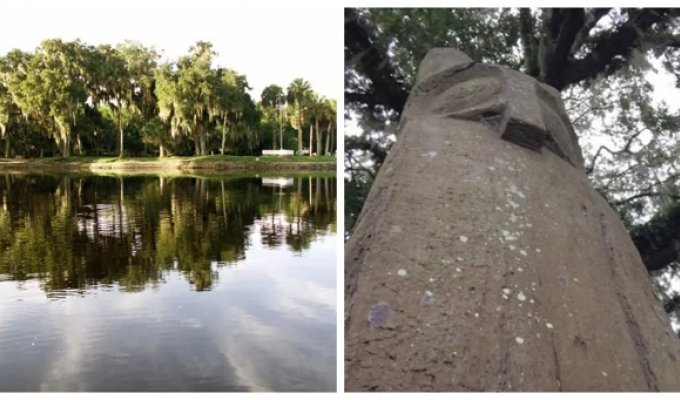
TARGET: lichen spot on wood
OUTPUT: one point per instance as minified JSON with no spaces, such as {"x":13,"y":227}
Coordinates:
{"x":380,"y":314}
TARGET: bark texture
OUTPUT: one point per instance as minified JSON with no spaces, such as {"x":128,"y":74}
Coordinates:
{"x":482,"y":264}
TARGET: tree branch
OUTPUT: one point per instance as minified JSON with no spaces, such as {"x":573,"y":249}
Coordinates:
{"x":646,"y":193}
{"x":357,"y":166}
{"x":657,"y":241}
{"x":363,"y":53}
{"x":554,"y":20}
{"x":625,"y":149}
{"x":588,"y":111}
{"x":658,"y":182}
{"x":529,"y":41}
{"x":590,"y":169}
{"x":672,"y":304}
{"x":591,"y":19}
{"x":570,"y":23}
{"x":368,"y":99}
{"x":610,"y":49}
{"x":611,"y":178}
{"x":358,"y":143}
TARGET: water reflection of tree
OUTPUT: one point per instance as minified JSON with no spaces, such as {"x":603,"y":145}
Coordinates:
{"x":77,"y":231}
{"x":298,"y":214}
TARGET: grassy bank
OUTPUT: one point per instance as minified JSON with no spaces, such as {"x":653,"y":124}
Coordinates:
{"x":172,"y":165}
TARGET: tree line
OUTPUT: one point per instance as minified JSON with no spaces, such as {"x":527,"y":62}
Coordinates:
{"x":68,"y":97}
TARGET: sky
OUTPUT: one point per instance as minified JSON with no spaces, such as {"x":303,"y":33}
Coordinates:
{"x":269,"y":42}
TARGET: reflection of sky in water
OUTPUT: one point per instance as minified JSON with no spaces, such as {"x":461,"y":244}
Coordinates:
{"x":267,"y":324}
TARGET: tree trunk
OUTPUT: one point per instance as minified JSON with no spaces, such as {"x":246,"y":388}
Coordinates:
{"x":311,"y":136}
{"x":161,"y":151}
{"x":319,"y":139}
{"x":274,"y":139}
{"x":204,"y":147}
{"x":121,"y":151}
{"x":120,"y":132}
{"x":482,"y":264}
{"x":281,"y":130}
{"x":79,"y":144}
{"x":224,"y":135}
{"x":8,"y":146}
{"x":332,"y":134}
{"x":300,"y":139}
{"x":328,"y":137}
{"x":66,"y":145}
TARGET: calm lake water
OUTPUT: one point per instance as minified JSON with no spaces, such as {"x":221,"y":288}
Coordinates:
{"x":167,"y":284}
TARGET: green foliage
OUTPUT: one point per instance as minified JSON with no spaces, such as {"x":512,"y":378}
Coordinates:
{"x":297,"y":95}
{"x":272,"y":97}
{"x":355,"y":196}
{"x":485,"y":34}
{"x":104,"y":100}
{"x":155,"y":132}
{"x":660,"y":225}
{"x":630,"y":142}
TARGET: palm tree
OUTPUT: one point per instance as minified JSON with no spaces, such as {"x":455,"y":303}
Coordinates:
{"x":272,"y":98}
{"x":313,"y":107}
{"x":329,"y":116}
{"x":298,"y":91}
{"x":317,"y":112}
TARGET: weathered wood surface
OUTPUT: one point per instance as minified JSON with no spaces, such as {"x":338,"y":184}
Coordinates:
{"x":484,"y":264}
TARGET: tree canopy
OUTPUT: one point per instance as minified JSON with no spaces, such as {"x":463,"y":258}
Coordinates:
{"x":606,"y":62}
{"x":67,"y":97}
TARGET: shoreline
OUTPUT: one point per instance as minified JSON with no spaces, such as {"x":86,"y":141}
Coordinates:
{"x":171,"y":165}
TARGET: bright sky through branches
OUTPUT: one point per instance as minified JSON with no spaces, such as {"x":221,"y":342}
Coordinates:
{"x":269,"y":42}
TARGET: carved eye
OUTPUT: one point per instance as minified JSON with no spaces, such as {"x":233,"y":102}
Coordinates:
{"x":471,"y":99}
